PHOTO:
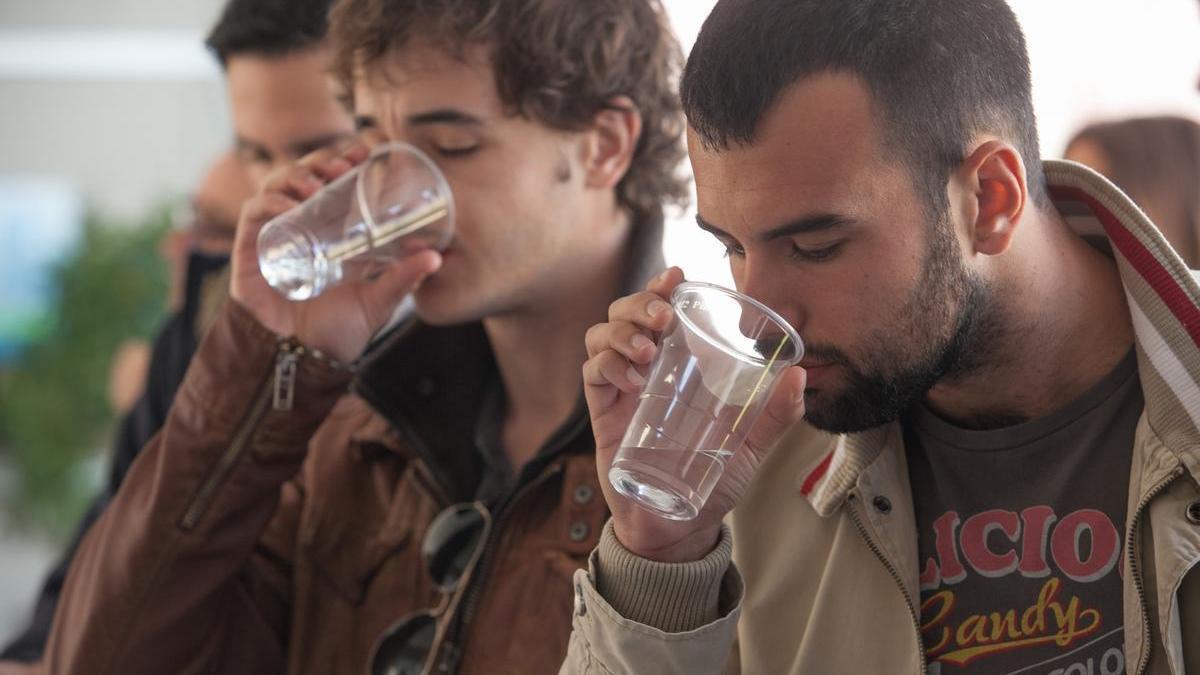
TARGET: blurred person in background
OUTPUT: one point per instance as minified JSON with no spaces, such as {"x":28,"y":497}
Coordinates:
{"x":1156,"y":161}
{"x":201,"y":231}
{"x":223,"y":189}
{"x":205,"y":225}
{"x":435,"y":511}
{"x":283,"y":104}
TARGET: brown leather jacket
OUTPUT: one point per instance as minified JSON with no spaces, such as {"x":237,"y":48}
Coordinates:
{"x":253,"y":538}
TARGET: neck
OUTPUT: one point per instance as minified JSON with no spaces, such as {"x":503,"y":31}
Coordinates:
{"x":1066,"y":324}
{"x":539,"y":348}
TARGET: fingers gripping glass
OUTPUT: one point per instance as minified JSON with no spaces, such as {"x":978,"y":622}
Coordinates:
{"x":391,"y":206}
{"x":716,"y":366}
{"x":451,"y":550}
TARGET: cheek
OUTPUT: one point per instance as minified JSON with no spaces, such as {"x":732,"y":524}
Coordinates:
{"x":257,"y":172}
{"x":478,"y":192}
{"x":514,"y":214}
{"x":835,"y":303}
{"x":490,"y":222}
{"x":869,"y":307}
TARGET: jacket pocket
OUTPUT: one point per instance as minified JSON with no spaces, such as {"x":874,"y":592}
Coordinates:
{"x":361,"y":525}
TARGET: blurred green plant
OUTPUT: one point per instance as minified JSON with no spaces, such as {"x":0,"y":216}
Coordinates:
{"x":54,"y":414}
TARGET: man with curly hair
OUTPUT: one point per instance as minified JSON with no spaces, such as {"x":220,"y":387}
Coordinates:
{"x":432,"y":518}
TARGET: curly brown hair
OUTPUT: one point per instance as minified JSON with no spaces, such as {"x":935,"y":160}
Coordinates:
{"x":555,"y":61}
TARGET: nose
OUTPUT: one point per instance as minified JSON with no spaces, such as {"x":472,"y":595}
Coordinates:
{"x":772,"y":288}
{"x":373,"y":137}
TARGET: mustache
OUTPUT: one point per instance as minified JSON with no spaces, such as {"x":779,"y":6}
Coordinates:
{"x":769,"y":345}
{"x":826,"y":354}
{"x":775,"y":344}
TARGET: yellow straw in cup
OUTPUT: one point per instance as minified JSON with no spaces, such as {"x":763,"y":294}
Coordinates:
{"x":754,"y":392}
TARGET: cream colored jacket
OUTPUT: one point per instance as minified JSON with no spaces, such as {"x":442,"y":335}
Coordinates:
{"x":830,"y":579}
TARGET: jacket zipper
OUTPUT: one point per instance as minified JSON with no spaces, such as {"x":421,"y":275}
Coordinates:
{"x":473,"y":594}
{"x":452,"y":651}
{"x":268,"y":392}
{"x":487,"y":557}
{"x":912,"y":608}
{"x":1136,"y":573}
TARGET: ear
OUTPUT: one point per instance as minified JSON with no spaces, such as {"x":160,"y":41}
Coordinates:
{"x":992,"y":180}
{"x":610,"y":143}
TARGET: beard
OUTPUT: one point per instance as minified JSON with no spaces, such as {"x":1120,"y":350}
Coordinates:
{"x":947,"y":328}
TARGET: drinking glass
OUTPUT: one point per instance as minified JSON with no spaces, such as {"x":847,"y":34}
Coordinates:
{"x":394,"y":204}
{"x":716,"y":366}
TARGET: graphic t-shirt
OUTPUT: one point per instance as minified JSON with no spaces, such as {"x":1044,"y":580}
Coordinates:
{"x":1021,"y":535}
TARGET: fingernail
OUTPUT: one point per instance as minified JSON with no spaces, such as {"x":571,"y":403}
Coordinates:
{"x":640,"y":341}
{"x":657,"y":307}
{"x":634,"y":376}
{"x":662,"y":276}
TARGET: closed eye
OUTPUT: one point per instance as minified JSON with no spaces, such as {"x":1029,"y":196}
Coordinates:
{"x":815,"y":254}
{"x":456,"y":152}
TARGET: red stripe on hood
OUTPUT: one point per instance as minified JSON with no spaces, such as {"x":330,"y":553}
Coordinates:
{"x":1148,"y":266}
{"x":811,"y":481}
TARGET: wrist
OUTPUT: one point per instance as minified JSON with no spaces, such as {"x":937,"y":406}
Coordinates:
{"x":664,"y":545}
{"x":339,"y":355}
{"x":672,"y":597}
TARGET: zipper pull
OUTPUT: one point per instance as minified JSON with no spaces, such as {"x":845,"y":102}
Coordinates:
{"x":285,"y":378}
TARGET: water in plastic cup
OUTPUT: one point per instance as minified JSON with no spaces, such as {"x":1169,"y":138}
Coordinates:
{"x":716,"y":366}
{"x":392,"y":205}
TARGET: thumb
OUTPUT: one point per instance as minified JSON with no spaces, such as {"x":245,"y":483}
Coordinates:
{"x":784,"y":408}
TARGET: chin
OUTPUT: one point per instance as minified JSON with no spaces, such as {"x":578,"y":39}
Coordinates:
{"x":441,"y":311}
{"x":851,"y":409}
{"x":440,"y":304}
{"x":817,"y":402}
{"x":830,"y":411}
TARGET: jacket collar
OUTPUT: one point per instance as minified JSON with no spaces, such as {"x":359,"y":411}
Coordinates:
{"x":1164,"y":303}
{"x":429,"y":382}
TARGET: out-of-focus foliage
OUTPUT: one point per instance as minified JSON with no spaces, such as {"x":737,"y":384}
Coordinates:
{"x":53,"y":409}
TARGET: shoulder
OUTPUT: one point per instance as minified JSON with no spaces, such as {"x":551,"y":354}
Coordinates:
{"x":353,"y":435}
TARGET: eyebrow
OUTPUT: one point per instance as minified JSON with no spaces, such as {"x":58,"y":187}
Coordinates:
{"x":444,"y":116}
{"x":820,"y":222}
{"x":439,"y":116}
{"x":299,"y":148}
{"x":247,"y":144}
{"x":304,"y":146}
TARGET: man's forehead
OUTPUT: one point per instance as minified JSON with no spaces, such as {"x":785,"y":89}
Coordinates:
{"x":815,"y":148}
{"x":284,"y":99}
{"x":823,"y":116}
{"x":827,"y":119}
{"x":420,"y":76}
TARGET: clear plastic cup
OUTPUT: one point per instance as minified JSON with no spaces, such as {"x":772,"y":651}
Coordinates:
{"x":392,"y":205}
{"x":716,"y":366}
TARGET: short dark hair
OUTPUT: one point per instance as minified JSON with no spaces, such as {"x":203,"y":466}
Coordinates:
{"x":555,"y":62}
{"x":268,"y":27}
{"x":939,"y":71}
